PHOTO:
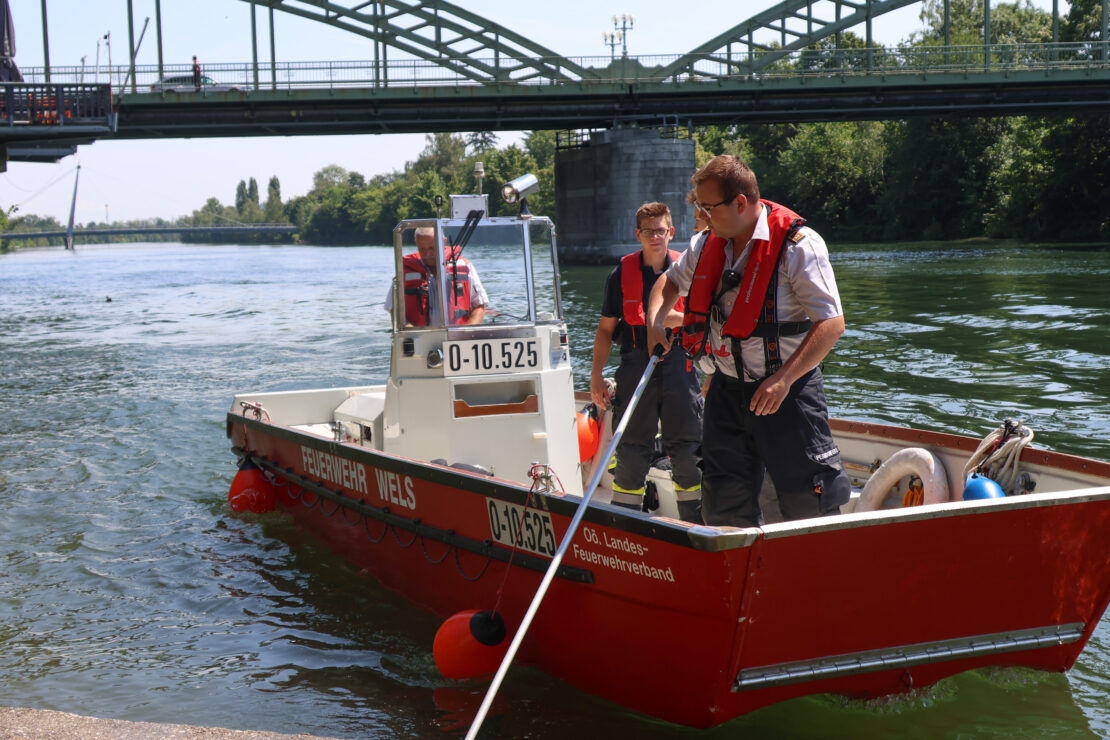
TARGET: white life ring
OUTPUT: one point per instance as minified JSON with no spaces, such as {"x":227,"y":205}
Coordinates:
{"x":909,"y":461}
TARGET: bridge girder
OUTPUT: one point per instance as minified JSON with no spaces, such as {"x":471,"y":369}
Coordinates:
{"x":441,"y":32}
{"x":820,"y":18}
{"x":463,"y":42}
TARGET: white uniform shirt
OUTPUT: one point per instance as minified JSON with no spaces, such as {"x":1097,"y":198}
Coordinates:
{"x":806,"y":290}
{"x":478,"y":296}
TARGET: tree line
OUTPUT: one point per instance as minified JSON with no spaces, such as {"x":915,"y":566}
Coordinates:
{"x":1029,"y":178}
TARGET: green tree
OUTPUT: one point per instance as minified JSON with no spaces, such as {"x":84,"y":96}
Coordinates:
{"x":241,"y":196}
{"x":272,"y":210}
{"x":331,"y":221}
{"x":711,"y":141}
{"x":329,"y":176}
{"x":31,"y":222}
{"x":370,"y":217}
{"x":1083,"y":24}
{"x":252,"y":191}
{"x":299,"y":210}
{"x":541,"y":145}
{"x":445,"y":155}
{"x":480,"y":142}
{"x":1076,"y":186}
{"x":1011,"y":23}
{"x":212,"y":212}
{"x":844,"y":51}
{"x":251,"y":213}
{"x":939,"y":176}
{"x":844,"y":166}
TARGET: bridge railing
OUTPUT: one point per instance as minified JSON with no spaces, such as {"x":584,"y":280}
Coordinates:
{"x":54,"y":104}
{"x":767,"y":64}
{"x":885,"y":61}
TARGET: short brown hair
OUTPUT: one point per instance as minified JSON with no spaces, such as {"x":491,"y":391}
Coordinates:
{"x":734,"y":177}
{"x":653,"y":210}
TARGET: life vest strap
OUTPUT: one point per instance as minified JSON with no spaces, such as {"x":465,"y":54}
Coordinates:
{"x":783,"y":329}
{"x":418,"y":300}
{"x":772,"y":357}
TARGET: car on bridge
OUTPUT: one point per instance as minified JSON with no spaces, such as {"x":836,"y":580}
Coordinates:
{"x":184,"y":83}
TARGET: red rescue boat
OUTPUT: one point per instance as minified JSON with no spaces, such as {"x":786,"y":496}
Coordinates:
{"x":455,"y":482}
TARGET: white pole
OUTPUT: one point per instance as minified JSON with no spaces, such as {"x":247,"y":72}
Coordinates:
{"x":555,"y":561}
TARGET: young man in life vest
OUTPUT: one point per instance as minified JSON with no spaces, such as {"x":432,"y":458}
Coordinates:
{"x":761,"y":300}
{"x":465,"y":295}
{"x":671,"y":399}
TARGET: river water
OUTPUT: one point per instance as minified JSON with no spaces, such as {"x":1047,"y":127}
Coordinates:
{"x":129,"y":590}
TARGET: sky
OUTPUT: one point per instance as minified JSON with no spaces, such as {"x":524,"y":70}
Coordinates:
{"x":123,"y":180}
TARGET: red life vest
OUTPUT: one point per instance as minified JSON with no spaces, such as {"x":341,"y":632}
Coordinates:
{"x":632,"y":287}
{"x":762,"y":264}
{"x":416,"y":288}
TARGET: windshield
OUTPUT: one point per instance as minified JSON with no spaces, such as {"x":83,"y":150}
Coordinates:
{"x":506,"y":267}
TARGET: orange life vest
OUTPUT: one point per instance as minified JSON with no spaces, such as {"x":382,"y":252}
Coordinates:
{"x":754,"y":298}
{"x":632,"y":287}
{"x":457,"y":278}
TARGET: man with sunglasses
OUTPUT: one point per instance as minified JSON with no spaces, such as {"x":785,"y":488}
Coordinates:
{"x":671,"y":402}
{"x":761,"y":300}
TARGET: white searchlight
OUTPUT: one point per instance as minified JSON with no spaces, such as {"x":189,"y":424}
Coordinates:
{"x":519,"y":190}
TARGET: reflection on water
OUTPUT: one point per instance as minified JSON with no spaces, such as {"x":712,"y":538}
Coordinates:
{"x":128,"y":588}
{"x":959,"y":338}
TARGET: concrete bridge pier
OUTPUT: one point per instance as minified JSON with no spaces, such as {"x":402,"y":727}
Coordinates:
{"x":601,"y":183}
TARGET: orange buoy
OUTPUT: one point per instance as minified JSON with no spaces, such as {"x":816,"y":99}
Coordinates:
{"x":251,"y":490}
{"x":470,"y":644}
{"x":588,"y":436}
{"x":286,"y":493}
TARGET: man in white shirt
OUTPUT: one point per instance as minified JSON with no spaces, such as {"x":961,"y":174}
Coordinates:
{"x":466,"y":296}
{"x":767,"y":312}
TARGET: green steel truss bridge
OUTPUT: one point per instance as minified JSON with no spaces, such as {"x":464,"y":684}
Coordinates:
{"x":435,"y":66}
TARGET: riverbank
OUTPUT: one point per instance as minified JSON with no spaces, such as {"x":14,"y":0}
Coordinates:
{"x":41,"y":724}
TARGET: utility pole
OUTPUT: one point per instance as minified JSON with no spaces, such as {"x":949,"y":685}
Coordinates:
{"x":45,"y":45}
{"x":158,"y":29}
{"x":131,"y":45}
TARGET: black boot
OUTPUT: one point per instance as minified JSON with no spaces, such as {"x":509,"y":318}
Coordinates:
{"x":690,"y":511}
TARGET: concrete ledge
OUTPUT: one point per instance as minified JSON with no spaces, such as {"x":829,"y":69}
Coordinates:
{"x":40,"y":724}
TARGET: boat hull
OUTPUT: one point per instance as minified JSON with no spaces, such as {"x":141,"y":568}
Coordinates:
{"x":697,"y":625}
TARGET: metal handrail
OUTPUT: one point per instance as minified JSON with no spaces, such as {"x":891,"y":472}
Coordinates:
{"x":54,"y":103}
{"x":762,"y":65}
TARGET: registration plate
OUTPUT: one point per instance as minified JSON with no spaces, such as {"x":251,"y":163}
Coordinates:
{"x":471,"y":356}
{"x":529,"y":530}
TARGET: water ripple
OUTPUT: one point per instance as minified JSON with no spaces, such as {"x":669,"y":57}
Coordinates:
{"x":126,"y":582}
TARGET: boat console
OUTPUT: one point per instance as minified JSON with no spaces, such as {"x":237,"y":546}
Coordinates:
{"x":496,"y":395}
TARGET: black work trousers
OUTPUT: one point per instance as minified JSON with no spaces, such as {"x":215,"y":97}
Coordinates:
{"x":794,"y":446}
{"x":672,"y":404}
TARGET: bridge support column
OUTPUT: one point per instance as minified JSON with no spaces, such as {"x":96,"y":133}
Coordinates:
{"x":600,"y":184}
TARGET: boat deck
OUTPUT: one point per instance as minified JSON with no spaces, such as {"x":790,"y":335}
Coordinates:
{"x":352,"y":415}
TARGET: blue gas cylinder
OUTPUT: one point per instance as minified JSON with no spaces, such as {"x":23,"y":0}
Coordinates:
{"x":980,"y":487}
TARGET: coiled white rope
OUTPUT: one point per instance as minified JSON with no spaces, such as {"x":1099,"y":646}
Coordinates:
{"x":999,"y":453}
